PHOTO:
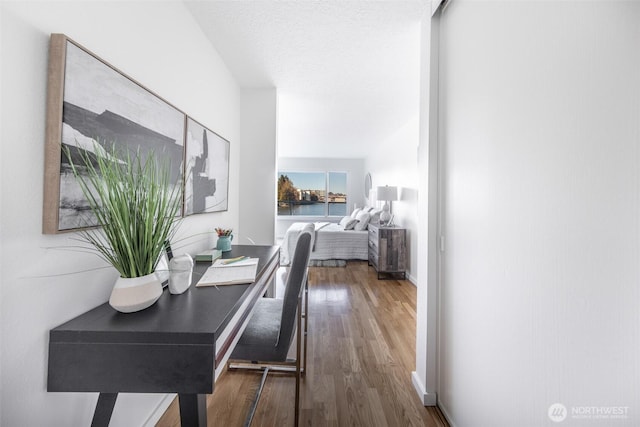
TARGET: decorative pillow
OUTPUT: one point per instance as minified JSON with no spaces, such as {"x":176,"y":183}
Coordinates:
{"x":355,"y":212}
{"x":375,"y":215}
{"x":363,"y":221}
{"x":348,"y":223}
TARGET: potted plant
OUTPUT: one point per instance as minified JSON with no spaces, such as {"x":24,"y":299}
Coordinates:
{"x":136,"y":206}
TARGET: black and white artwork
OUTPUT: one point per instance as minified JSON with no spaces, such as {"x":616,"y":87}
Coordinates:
{"x":103,"y":109}
{"x":207,"y":170}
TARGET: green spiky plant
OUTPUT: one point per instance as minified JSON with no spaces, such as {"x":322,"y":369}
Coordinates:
{"x":135,"y":204}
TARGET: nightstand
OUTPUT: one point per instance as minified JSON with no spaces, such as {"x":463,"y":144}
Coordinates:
{"x":388,"y":250}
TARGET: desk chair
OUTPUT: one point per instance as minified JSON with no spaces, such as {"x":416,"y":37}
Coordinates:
{"x":269,"y":334}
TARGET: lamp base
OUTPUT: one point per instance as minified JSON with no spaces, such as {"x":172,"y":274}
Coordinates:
{"x":385,"y":216}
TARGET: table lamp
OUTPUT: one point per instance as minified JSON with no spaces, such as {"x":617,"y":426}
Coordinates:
{"x":388,"y":194}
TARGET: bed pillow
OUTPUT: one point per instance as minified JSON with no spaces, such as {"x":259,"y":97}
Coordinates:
{"x":375,"y":215}
{"x":355,"y":213}
{"x":348,"y":223}
{"x":363,"y":221}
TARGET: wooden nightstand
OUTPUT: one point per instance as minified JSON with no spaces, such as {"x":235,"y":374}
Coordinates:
{"x":388,"y":250}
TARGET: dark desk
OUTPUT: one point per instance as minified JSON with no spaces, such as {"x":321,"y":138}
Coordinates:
{"x":178,"y":345}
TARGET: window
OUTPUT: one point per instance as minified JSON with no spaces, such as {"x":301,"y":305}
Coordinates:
{"x":312,"y":193}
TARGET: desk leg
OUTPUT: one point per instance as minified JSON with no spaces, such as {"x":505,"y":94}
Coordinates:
{"x":193,"y":410}
{"x":104,"y":409}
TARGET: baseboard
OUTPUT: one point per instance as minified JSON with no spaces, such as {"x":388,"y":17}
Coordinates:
{"x":445,"y":412}
{"x":159,"y":411}
{"x":412,"y":279}
{"x":428,"y":399}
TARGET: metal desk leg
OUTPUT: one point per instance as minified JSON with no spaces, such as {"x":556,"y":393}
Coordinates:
{"x":104,"y":409}
{"x":193,"y":410}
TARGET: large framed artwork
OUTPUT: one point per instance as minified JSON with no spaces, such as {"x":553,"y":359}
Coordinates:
{"x":207,"y":170}
{"x":93,"y":106}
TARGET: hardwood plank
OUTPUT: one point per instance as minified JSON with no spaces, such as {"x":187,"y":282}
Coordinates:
{"x":361,"y":354}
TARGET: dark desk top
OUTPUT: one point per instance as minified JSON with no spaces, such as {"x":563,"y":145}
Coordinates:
{"x":195,"y":317}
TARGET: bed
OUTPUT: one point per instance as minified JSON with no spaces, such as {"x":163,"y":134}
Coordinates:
{"x":330,"y":241}
{"x":346,"y":240}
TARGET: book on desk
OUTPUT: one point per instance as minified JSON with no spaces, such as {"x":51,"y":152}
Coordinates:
{"x":208,"y":255}
{"x":230,"y":272}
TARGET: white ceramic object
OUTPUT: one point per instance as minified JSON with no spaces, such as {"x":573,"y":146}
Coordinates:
{"x":181,"y":271}
{"x":136,"y":293}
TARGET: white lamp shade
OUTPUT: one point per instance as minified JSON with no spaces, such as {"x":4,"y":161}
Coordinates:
{"x":388,"y":193}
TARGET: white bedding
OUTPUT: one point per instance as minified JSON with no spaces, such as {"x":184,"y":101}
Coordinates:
{"x":330,"y":242}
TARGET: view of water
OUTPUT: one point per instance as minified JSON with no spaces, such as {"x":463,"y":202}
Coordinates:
{"x":316,"y":209}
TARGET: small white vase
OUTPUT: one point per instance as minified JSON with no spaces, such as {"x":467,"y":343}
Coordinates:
{"x":181,"y":269}
{"x":135,"y":293}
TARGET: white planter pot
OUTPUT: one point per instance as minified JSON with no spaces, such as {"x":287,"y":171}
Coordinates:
{"x":136,"y":293}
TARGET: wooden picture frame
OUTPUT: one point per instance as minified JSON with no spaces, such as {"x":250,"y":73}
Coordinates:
{"x":91,"y":104}
{"x":206,"y":171}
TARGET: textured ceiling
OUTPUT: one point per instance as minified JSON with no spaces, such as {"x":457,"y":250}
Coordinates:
{"x":347,"y":72}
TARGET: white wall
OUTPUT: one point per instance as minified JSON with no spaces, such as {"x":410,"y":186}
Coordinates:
{"x":258,"y":163}
{"x":395,"y":161}
{"x":42,"y":284}
{"x":355,"y":183}
{"x":540,"y":123}
{"x":425,"y":377}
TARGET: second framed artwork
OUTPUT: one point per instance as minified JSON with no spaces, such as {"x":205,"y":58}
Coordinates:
{"x":206,"y":184}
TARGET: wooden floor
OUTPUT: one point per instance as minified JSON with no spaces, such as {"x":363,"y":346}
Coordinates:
{"x":361,"y":354}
